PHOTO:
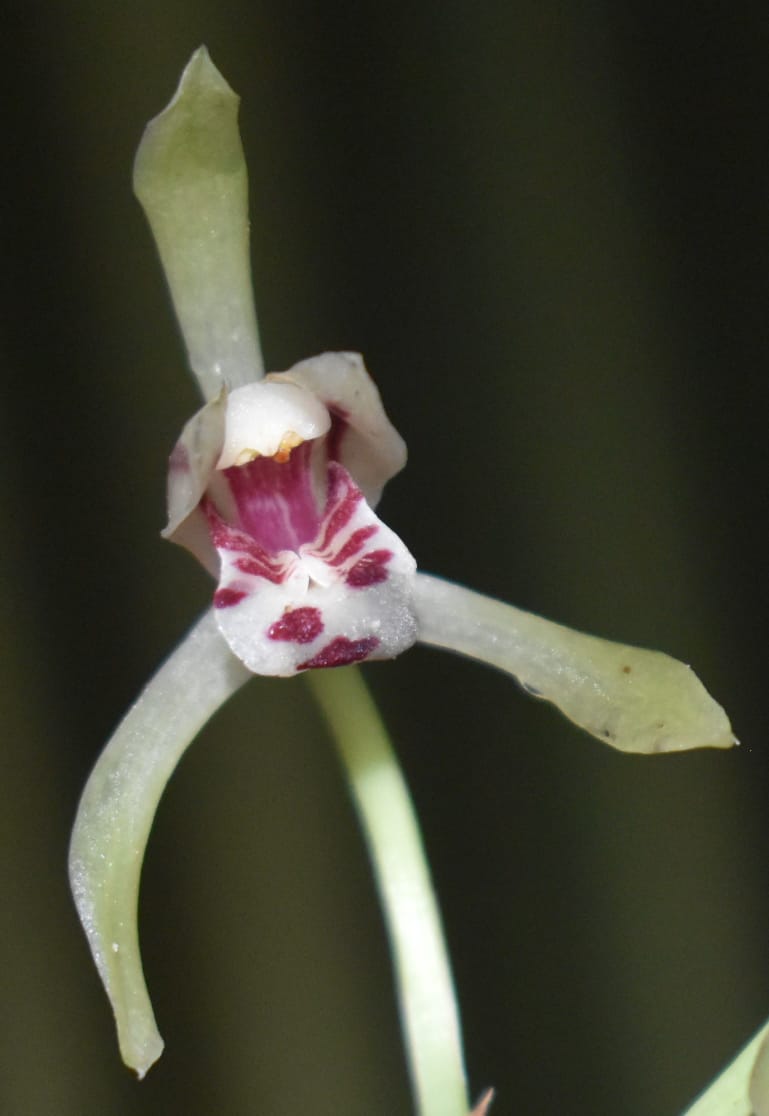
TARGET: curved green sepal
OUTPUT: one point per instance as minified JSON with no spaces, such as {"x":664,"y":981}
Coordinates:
{"x":116,"y":812}
{"x":190,"y":177}
{"x":633,"y":699}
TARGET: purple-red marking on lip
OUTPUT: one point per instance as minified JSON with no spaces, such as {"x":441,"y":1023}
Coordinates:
{"x":356,"y":542}
{"x":343,"y":502}
{"x":369,"y":570}
{"x":254,"y":559}
{"x":275,"y":500}
{"x":297,"y":625}
{"x":341,"y":652}
{"x":226,"y":598}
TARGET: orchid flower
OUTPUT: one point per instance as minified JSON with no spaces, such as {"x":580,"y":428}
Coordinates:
{"x":261,"y":490}
{"x":272,"y":486}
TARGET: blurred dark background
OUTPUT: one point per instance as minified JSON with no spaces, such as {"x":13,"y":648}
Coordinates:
{"x":545,"y":226}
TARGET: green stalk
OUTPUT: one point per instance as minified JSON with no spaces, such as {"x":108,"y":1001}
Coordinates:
{"x":429,"y":1013}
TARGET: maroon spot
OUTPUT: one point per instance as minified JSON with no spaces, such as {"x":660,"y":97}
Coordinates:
{"x":226,"y":598}
{"x":356,"y":542}
{"x":298,"y":625}
{"x":369,"y":570}
{"x":341,"y":651}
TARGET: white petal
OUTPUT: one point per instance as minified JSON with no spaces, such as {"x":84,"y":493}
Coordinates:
{"x":635,"y":700}
{"x":266,"y":417}
{"x":342,"y":599}
{"x":370,"y":448}
{"x":190,"y":472}
{"x":190,"y":177}
{"x":193,"y":460}
{"x":116,"y":813}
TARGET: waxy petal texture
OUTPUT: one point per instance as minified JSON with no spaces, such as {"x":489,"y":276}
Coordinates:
{"x":190,"y":177}
{"x":633,"y":699}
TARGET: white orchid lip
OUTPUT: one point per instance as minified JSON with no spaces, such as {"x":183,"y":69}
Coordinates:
{"x":270,"y":418}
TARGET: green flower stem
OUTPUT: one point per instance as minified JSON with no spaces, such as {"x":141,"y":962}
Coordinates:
{"x":429,"y":1014}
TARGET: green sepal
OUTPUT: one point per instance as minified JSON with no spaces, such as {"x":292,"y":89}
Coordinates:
{"x":190,"y":177}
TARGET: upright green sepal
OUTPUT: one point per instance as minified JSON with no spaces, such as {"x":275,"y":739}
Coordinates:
{"x":190,"y":177}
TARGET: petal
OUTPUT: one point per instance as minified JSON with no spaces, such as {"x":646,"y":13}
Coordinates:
{"x":342,"y":599}
{"x":363,"y":439}
{"x":190,"y":470}
{"x":635,"y":700}
{"x":116,"y":813}
{"x":190,"y":177}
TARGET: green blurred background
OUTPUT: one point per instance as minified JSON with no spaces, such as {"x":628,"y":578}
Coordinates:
{"x":545,"y":226}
